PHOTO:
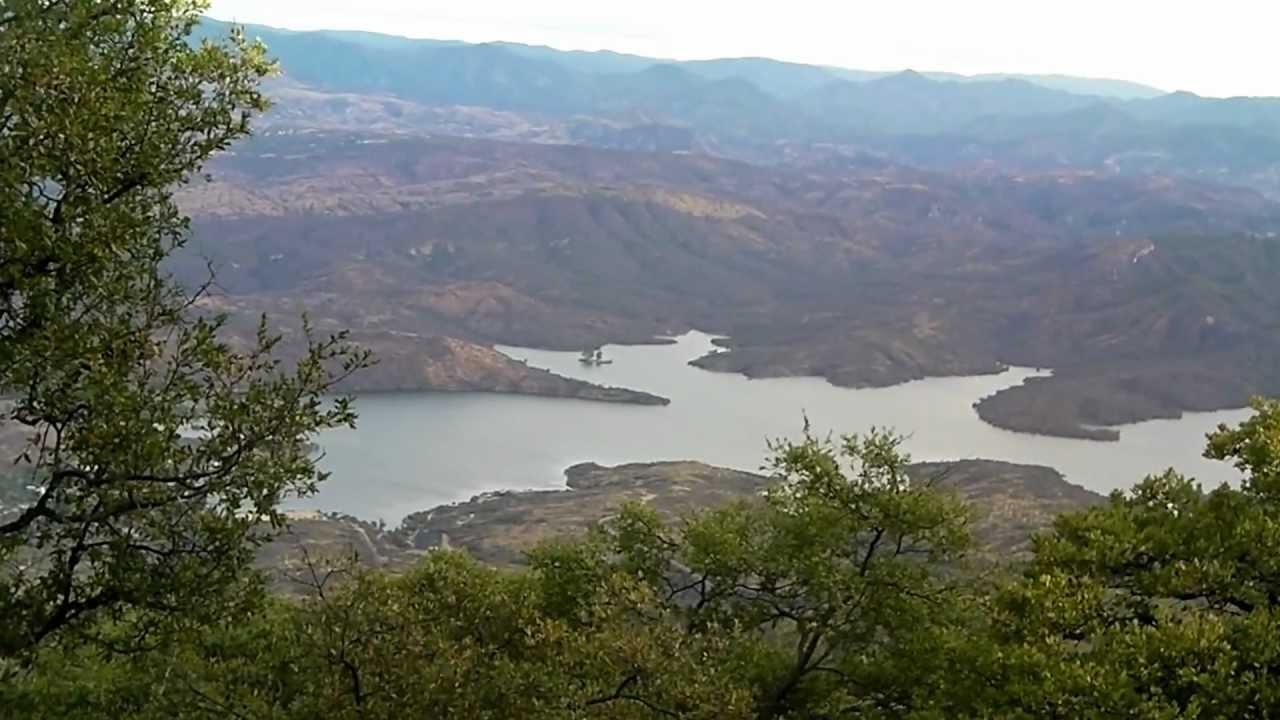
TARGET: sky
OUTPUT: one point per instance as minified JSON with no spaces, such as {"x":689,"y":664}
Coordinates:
{"x":1211,"y":47}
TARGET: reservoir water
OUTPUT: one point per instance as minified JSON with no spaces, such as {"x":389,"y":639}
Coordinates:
{"x":413,"y":451}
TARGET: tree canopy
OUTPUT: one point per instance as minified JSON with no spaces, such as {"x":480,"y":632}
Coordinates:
{"x":843,"y":592}
{"x":1162,"y":603}
{"x":155,"y":444}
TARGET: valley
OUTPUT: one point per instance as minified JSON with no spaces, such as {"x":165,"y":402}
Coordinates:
{"x":362,"y":376}
{"x":881,"y":232}
{"x":415,"y":451}
{"x":1148,"y":296}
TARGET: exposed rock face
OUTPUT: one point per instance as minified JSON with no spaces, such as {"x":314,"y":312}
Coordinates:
{"x":858,"y":358}
{"x":410,"y":361}
{"x":1010,"y":502}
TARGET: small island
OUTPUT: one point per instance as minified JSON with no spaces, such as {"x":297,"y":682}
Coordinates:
{"x":594,"y":358}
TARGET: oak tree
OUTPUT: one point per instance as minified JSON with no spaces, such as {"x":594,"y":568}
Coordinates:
{"x":155,"y":446}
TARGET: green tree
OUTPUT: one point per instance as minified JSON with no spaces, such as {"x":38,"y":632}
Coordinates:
{"x":843,"y":576}
{"x":831,"y":597}
{"x":451,"y":638}
{"x":1163,"y":603}
{"x":158,"y":448}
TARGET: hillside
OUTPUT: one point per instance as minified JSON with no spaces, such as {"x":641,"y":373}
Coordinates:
{"x":1183,"y":324}
{"x":763,"y":110}
{"x":1011,"y":503}
{"x":863,"y":275}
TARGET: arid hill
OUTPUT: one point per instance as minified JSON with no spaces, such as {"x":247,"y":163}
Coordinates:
{"x":866,"y":274}
{"x":1010,"y":503}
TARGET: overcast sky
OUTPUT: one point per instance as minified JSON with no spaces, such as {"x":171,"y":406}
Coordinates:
{"x":1212,"y":47}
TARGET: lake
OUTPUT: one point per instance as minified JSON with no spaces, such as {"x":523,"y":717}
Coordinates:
{"x":413,"y":451}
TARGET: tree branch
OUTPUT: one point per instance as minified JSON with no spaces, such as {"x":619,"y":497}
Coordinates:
{"x":621,"y":694}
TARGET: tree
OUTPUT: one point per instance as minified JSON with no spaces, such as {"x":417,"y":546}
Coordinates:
{"x":451,"y":638}
{"x":840,"y":593}
{"x":828,"y":598}
{"x":1165,"y":602}
{"x":843,"y":575}
{"x":159,"y":450}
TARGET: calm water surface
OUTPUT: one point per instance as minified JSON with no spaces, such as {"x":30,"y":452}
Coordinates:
{"x":414,"y":451}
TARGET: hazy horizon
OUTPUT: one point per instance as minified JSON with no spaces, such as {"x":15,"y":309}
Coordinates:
{"x":1220,"y":53}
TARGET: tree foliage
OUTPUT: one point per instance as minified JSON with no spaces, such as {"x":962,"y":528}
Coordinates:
{"x":841,"y":593}
{"x":156,"y":446}
{"x":452,"y":638}
{"x":822,"y":584}
{"x":1162,"y":603}
{"x":794,"y":606}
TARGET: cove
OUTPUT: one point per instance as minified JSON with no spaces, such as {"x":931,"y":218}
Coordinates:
{"x":413,"y":451}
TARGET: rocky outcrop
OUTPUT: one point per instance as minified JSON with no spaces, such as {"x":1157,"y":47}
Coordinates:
{"x":1011,"y":503}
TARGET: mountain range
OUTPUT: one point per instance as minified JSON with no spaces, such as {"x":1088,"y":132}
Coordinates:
{"x":766,"y":110}
{"x":780,"y":78}
{"x":440,"y":197}
{"x":864,"y":276}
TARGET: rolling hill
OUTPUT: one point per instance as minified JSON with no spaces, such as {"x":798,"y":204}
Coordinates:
{"x":865,"y":276}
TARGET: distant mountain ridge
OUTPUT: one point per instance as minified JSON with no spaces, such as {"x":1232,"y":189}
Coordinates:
{"x":868,"y":230}
{"x":777,"y":77}
{"x":767,"y":111}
